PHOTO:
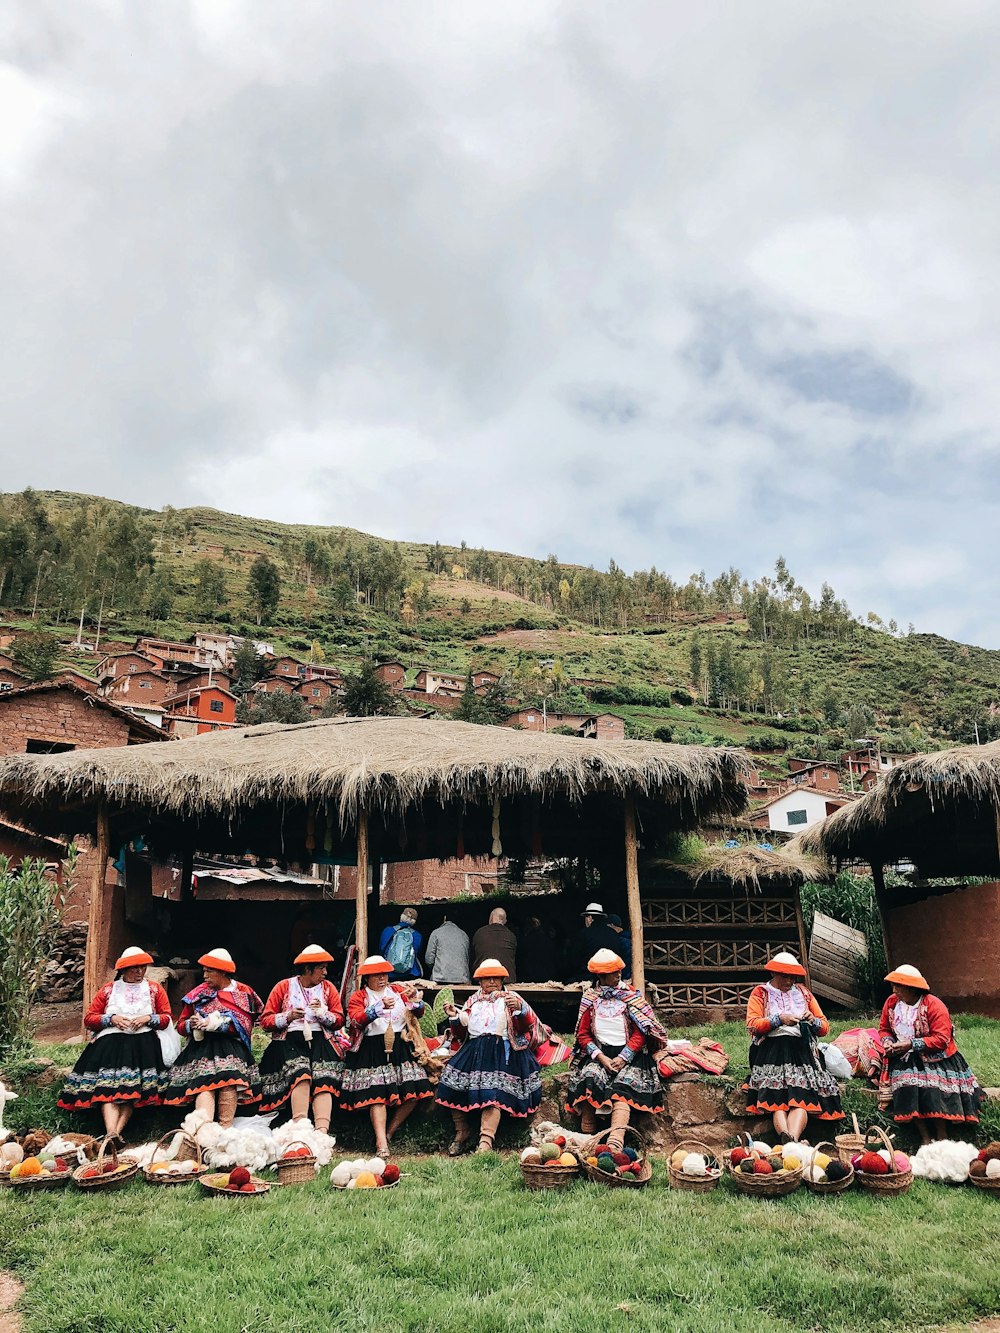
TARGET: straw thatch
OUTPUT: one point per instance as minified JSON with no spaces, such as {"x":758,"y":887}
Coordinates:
{"x":937,"y":810}
{"x":747,"y":865}
{"x":391,"y":766}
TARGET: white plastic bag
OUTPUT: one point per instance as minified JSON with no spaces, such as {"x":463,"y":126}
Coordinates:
{"x":170,"y":1043}
{"x":836,"y":1061}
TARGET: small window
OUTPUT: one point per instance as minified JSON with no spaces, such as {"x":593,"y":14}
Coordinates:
{"x":797,"y":816}
{"x":315,"y":694}
{"x":145,"y":685}
{"x":131,"y":667}
{"x":47,"y":747}
{"x":215,"y":705}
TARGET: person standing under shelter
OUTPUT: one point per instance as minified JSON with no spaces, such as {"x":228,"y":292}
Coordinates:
{"x":624,"y":941}
{"x":400,"y":946}
{"x":595,"y":935}
{"x":497,"y":942}
{"x":447,"y":954}
{"x":535,"y":952}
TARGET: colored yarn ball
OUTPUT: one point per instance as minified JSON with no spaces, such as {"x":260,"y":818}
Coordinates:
{"x":694,"y":1164}
{"x":631,"y":1154}
{"x":836,"y":1171}
{"x":391,"y":1174}
{"x":874,"y":1164}
{"x":791,"y":1163}
{"x":340,"y":1175}
{"x":993,"y":1168}
{"x":738,"y":1155}
{"x":762,"y":1168}
{"x":747,"y":1166}
{"x":606,"y":1162}
{"x":531,"y":1155}
{"x":977,"y":1167}
{"x":365,"y":1181}
{"x":549,"y":1152}
{"x":620,"y":1158}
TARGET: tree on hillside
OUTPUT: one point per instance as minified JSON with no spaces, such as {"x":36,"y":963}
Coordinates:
{"x":366,"y":695}
{"x":250,"y":666}
{"x":276,"y":707}
{"x":209,"y":594}
{"x":264,"y":588}
{"x":830,"y":707}
{"x":35,"y":655}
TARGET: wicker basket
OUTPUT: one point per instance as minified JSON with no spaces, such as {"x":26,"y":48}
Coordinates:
{"x":211,"y":1185}
{"x":297,"y":1170}
{"x":28,"y":1184}
{"x":987,"y":1186}
{"x":830,"y":1186}
{"x":848,"y":1145}
{"x":188,"y":1150}
{"x":377,"y":1190}
{"x":616,"y":1181}
{"x":764,"y":1187}
{"x":543,"y":1176}
{"x":894,"y":1181}
{"x":123,"y":1172}
{"x":694,"y":1184}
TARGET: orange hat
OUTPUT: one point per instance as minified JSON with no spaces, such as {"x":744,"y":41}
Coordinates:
{"x":313,"y":953}
{"x":133,"y":957}
{"x":785,"y":963}
{"x":606,"y":960}
{"x":220,"y":959}
{"x":491,"y":967}
{"x":373,"y":965}
{"x":908,"y":975}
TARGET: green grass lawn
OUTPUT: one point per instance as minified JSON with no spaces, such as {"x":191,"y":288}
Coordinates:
{"x":464,"y":1246}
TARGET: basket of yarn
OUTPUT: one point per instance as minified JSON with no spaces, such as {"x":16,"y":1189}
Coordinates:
{"x":693,"y":1166}
{"x":549,"y":1166}
{"x":825,"y":1173}
{"x":296,"y":1165}
{"x":42,"y":1171}
{"x":107,"y":1172}
{"x":629,"y":1168}
{"x":882,"y":1170}
{"x":365,"y":1174}
{"x":185,"y":1162}
{"x":849,"y":1145}
{"x":235,"y":1183}
{"x":762,"y":1171}
{"x":984,"y":1169}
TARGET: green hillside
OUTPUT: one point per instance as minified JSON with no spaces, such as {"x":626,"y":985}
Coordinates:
{"x":762,"y":662}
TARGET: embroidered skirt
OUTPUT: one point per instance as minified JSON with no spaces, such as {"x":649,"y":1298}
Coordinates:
{"x":787,"y":1074}
{"x":293,"y":1060}
{"x":944,"y":1089}
{"x":373,"y":1078}
{"x":481,"y":1075}
{"x":121,"y":1067}
{"x":219,"y":1061}
{"x":638,"y":1083}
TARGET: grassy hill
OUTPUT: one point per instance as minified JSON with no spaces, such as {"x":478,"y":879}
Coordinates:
{"x":762,"y":664}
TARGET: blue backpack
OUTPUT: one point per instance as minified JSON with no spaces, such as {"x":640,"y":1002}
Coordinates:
{"x":401,"y":953}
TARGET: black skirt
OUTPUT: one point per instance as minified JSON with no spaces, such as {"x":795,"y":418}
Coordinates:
{"x":942,"y":1089}
{"x":219,"y":1061}
{"x":373,"y":1077}
{"x":788,"y":1074}
{"x":121,"y":1067}
{"x":293,"y":1060}
{"x":639,"y":1083}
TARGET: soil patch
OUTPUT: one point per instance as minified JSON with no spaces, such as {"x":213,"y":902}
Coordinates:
{"x":10,"y":1293}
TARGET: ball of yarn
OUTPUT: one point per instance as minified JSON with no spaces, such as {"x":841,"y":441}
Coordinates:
{"x":836,"y":1171}
{"x":791,"y":1162}
{"x":977,"y":1168}
{"x":620,"y":1158}
{"x":549,"y":1152}
{"x":694,"y":1164}
{"x":816,"y":1174}
{"x":736,"y":1156}
{"x":763,"y":1148}
{"x":340,"y":1174}
{"x":901,"y":1161}
{"x":375,"y":1165}
{"x":747,"y":1166}
{"x":366,"y":1181}
{"x":763,"y":1168}
{"x":993,"y":1168}
{"x":531,"y":1155}
{"x":391,"y":1174}
{"x":566,"y":1159}
{"x":822,"y":1160}
{"x":873,"y":1163}
{"x":606,"y":1162}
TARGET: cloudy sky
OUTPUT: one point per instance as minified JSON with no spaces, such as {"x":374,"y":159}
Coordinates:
{"x":677,"y":284}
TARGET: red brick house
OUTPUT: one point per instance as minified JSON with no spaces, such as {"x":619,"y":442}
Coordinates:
{"x":821,"y":776}
{"x":141,"y":687}
{"x":315,"y":693}
{"x":392,"y":674}
{"x":320,"y":671}
{"x":290,"y":668}
{"x":274,"y":685}
{"x":55,"y":715}
{"x":603,"y":727}
{"x":482,"y":680}
{"x":195,"y":712}
{"x":116,"y":665}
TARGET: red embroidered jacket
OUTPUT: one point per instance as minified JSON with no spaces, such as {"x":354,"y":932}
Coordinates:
{"x":273,"y":1018}
{"x":939,"y":1039}
{"x":96,"y":1019}
{"x":760,"y":1023}
{"x":587,"y":1040}
{"x":360,"y":1015}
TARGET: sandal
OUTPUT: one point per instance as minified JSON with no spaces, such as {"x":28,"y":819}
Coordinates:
{"x":485,"y":1143}
{"x":458,"y":1146}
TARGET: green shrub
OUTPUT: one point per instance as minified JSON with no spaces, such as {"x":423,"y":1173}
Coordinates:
{"x":31,"y":903}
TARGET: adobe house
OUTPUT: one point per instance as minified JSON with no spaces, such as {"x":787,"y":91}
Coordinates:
{"x":138,"y":689}
{"x":116,"y":665}
{"x":392,"y":674}
{"x":193,"y":712}
{"x":939,"y":816}
{"x":364,"y":792}
{"x":315,"y":692}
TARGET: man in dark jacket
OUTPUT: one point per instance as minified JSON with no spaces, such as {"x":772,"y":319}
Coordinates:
{"x":596,"y":934}
{"x":495,"y":941}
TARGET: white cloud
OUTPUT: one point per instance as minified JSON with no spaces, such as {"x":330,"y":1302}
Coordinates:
{"x":701,"y":288}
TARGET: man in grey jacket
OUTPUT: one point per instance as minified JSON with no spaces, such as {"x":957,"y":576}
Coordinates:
{"x":448,"y":954}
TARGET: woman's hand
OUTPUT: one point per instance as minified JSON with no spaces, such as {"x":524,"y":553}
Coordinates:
{"x":512,"y":1003}
{"x":617,"y":1064}
{"x":295,"y":1015}
{"x":450,"y":1009}
{"x":120,"y":1022}
{"x":788,"y":1020}
{"x":142,"y":1021}
{"x":900,"y":1047}
{"x":199,"y":1024}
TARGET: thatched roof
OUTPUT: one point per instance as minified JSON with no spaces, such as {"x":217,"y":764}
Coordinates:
{"x":749,"y":864}
{"x":937,"y":810}
{"x":227,"y":788}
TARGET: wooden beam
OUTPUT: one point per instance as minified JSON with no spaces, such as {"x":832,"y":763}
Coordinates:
{"x":361,"y":906}
{"x":632,"y":891}
{"x":801,"y":927}
{"x":94,"y":960}
{"x":881,"y":898}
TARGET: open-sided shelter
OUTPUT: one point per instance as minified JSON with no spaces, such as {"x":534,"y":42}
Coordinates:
{"x":365,"y":790}
{"x":939,"y":813}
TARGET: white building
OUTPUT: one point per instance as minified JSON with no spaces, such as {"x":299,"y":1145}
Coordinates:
{"x":795,"y":810}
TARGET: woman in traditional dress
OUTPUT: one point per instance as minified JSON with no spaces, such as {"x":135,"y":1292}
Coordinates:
{"x":494,"y":1069}
{"x":379,"y":1069}
{"x":788,"y":1079}
{"x":216,"y":1069}
{"x":924,"y":1077}
{"x":617,"y":1039}
{"x":302,"y":1065}
{"x":122,"y":1065}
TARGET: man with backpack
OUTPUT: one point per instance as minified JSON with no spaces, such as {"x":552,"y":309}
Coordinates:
{"x":400,"y":945}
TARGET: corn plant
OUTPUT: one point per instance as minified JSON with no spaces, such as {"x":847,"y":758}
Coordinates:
{"x":31,"y":905}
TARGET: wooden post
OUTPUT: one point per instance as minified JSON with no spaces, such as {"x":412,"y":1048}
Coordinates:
{"x":878,"y":879}
{"x":361,"y":906}
{"x":632,"y":890}
{"x":94,"y":960}
{"x":800,"y":926}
